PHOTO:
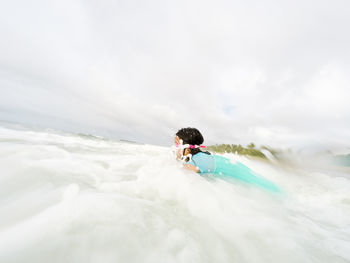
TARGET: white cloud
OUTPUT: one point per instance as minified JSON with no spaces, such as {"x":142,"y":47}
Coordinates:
{"x":273,"y":73}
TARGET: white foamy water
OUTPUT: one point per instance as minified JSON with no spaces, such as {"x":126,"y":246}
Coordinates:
{"x":71,"y":198}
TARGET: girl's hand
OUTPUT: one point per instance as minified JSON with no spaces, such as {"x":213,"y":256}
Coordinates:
{"x":191,"y":167}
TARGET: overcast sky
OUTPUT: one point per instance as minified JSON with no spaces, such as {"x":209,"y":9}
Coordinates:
{"x":272,"y":72}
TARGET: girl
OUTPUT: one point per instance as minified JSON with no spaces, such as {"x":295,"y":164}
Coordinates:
{"x":188,"y":149}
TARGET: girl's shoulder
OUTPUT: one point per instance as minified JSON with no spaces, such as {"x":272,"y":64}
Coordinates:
{"x":202,"y":155}
{"x":205,"y":162}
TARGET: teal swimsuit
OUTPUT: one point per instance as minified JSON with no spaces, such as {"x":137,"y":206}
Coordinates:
{"x":223,"y":168}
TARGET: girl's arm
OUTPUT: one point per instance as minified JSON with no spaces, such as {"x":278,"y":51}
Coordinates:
{"x":191,"y":167}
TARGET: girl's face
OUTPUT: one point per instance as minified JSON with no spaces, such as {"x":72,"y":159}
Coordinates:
{"x":178,"y":151}
{"x":177,"y":140}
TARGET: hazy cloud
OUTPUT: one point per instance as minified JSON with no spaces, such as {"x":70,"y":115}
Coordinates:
{"x":273,"y":72}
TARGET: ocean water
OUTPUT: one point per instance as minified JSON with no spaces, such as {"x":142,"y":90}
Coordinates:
{"x":79,"y":198}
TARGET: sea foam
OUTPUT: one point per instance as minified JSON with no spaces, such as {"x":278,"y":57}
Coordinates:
{"x":74,"y":198}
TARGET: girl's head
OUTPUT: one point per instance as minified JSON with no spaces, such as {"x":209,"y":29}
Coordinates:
{"x":190,"y":136}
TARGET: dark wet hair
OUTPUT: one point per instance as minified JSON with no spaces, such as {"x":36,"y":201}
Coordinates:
{"x":191,"y":136}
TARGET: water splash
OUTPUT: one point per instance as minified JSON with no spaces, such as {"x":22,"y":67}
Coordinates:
{"x":72,"y":198}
